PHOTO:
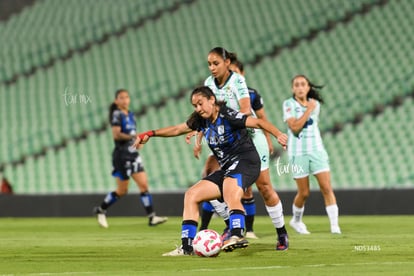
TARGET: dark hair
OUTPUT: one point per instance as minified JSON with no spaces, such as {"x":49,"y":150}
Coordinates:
{"x":206,"y":92}
{"x":113,"y":105}
{"x":234,"y":60}
{"x":221,"y":52}
{"x":314,"y":92}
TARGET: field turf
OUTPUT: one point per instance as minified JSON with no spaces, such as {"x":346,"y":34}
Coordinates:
{"x":369,"y":245}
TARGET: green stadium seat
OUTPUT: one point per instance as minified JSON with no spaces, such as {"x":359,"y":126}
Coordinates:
{"x":141,"y":61}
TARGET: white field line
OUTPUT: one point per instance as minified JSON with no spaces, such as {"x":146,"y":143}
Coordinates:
{"x":246,"y":268}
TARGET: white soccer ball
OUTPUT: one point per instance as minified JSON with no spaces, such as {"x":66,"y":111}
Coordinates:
{"x":207,"y":243}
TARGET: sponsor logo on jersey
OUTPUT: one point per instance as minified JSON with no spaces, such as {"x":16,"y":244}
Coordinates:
{"x":220,"y":130}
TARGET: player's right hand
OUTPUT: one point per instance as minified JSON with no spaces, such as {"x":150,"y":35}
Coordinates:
{"x":142,"y":138}
{"x":189,"y":136}
{"x":311,"y":104}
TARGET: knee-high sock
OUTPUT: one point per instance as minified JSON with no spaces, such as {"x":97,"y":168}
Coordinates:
{"x":250,"y":208}
{"x":146,"y":200}
{"x":206,"y":214}
{"x":297,"y":213}
{"x":237,"y":222}
{"x":276,"y":214}
{"x":188,"y":232}
{"x":332,"y":211}
{"x":109,"y":199}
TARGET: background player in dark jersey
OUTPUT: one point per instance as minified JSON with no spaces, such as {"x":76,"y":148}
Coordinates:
{"x":126,"y":161}
{"x":225,"y":132}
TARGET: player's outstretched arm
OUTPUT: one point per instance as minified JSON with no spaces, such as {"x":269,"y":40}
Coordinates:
{"x":281,"y":137}
{"x":169,"y":131}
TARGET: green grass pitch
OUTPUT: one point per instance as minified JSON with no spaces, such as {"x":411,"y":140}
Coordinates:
{"x":369,"y":245}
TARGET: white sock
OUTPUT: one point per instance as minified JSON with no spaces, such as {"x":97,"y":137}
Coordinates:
{"x":297,"y":213}
{"x":276,"y":214}
{"x":220,"y":208}
{"x":332,"y":211}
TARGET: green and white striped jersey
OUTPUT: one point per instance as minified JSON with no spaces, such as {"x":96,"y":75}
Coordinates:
{"x":309,"y":139}
{"x":232,"y":91}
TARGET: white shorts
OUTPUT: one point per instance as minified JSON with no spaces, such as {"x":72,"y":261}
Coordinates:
{"x":262,"y":147}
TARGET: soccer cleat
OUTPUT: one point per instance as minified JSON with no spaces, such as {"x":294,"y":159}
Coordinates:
{"x":179,"y":251}
{"x":101,"y":216}
{"x":251,"y":235}
{"x":282,"y":243}
{"x":234,"y":242}
{"x":226,"y":234}
{"x":335,"y":229}
{"x":155,"y":220}
{"x":299,"y":227}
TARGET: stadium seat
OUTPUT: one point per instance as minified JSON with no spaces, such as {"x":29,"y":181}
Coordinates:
{"x":350,"y":60}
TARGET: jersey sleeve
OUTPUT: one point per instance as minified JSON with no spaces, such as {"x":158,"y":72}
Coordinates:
{"x":116,"y":118}
{"x":241,"y":87}
{"x":256,"y":100}
{"x":288,"y":110}
{"x":235,"y":118}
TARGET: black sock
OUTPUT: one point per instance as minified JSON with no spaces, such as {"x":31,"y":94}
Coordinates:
{"x":249,"y":223}
{"x":190,"y":228}
{"x":281,"y":230}
{"x":205,"y":219}
{"x":187,"y":244}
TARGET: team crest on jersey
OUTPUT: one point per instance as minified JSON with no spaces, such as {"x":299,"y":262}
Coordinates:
{"x":220,"y":130}
{"x":230,"y":94}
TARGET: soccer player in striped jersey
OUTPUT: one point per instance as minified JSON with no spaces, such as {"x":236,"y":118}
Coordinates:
{"x":307,"y":154}
{"x":126,"y":161}
{"x":226,"y":133}
{"x":236,"y":94}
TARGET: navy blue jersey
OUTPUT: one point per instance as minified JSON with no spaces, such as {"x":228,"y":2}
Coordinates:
{"x":128,"y":126}
{"x":256,"y":100}
{"x":227,"y":137}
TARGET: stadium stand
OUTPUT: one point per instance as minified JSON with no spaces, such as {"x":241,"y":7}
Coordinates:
{"x":65,"y":143}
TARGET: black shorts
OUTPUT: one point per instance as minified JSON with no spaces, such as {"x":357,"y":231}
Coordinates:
{"x":124,"y":165}
{"x":246,"y":170}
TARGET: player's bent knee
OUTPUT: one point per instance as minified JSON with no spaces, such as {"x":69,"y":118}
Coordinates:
{"x":303,"y":194}
{"x":192,"y":195}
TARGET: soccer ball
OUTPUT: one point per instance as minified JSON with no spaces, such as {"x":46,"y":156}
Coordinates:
{"x":207,"y":243}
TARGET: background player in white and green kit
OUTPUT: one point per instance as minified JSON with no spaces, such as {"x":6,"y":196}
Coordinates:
{"x":306,"y":151}
{"x":231,"y":87}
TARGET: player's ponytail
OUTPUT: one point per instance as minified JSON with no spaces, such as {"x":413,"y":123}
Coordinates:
{"x":234,"y":60}
{"x":112,"y":108}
